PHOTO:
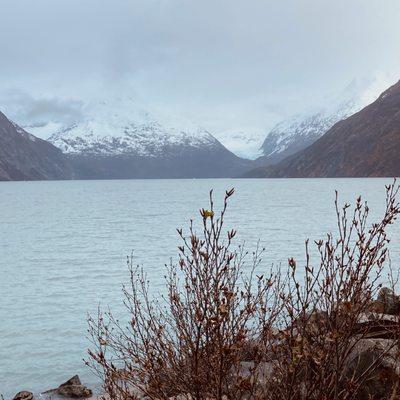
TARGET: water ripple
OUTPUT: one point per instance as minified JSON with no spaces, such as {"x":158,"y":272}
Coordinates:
{"x":64,"y":245}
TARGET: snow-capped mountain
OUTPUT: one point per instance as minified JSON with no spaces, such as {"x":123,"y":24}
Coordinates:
{"x":112,"y":128}
{"x":300,"y":131}
{"x":144,"y":139}
{"x":118,"y":139}
{"x":365,"y":144}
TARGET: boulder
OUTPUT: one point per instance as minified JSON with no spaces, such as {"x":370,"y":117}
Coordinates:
{"x":74,"y":391}
{"x":377,"y":306}
{"x":374,"y":365}
{"x":377,"y":326}
{"x":389,"y":300}
{"x":72,"y":381}
{"x":24,"y":395}
{"x":72,"y":388}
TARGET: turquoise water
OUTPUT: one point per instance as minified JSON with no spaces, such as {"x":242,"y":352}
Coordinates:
{"x":63,"y":247}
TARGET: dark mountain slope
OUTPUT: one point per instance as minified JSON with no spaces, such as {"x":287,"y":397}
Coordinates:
{"x":26,"y":157}
{"x":183,"y":163}
{"x":365,"y":144}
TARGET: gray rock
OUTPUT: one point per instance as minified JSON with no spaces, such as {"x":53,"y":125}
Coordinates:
{"x":72,"y":388}
{"x":72,"y":381}
{"x":23,"y":395}
{"x":390,"y":300}
{"x":377,"y":326}
{"x":374,"y":363}
{"x":74,"y":391}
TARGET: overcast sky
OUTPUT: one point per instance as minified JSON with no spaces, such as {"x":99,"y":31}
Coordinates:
{"x":224,"y":64}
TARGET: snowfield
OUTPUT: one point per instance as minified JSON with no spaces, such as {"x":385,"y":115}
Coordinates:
{"x":111,"y":130}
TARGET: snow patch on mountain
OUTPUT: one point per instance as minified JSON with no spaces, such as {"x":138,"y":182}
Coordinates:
{"x":304,"y":128}
{"x":22,"y":131}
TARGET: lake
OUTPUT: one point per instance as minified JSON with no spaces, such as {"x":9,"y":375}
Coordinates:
{"x":63,"y":248}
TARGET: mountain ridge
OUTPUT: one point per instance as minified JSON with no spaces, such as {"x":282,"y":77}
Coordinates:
{"x":365,"y":144}
{"x":299,"y":131}
{"x":23,"y":156}
{"x":114,"y":142}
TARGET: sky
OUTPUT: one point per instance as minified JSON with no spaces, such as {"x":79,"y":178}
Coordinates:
{"x":228,"y":65}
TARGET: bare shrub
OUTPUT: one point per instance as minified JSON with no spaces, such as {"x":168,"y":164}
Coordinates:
{"x":221,"y":333}
{"x":322,"y":323}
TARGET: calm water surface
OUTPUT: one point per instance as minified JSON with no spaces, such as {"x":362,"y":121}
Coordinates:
{"x":63,"y":247}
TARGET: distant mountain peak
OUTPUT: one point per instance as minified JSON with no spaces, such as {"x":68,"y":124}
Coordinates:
{"x":146,"y":139}
{"x":365,"y":144}
{"x":298,"y":132}
{"x":117,"y":139}
{"x":115,"y":128}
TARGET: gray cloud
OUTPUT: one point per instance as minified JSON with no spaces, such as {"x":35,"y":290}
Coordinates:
{"x":228,"y":63}
{"x":35,"y":112}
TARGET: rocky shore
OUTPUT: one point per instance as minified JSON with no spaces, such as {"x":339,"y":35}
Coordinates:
{"x":379,"y":346}
{"x":71,"y":389}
